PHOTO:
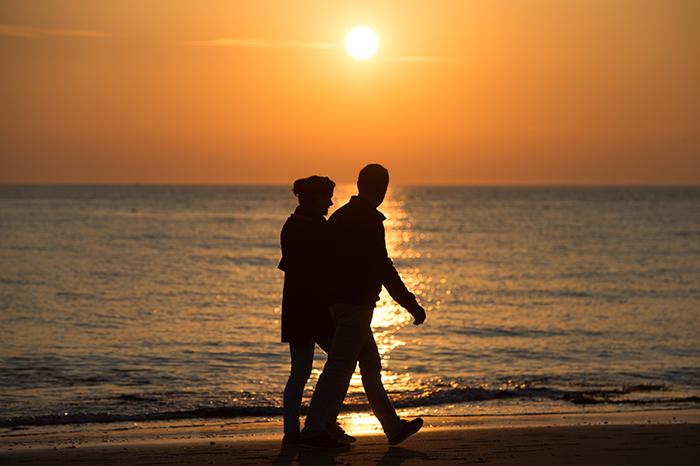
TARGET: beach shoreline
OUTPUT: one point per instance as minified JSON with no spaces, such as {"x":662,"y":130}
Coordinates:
{"x":580,"y":438}
{"x":650,"y":444}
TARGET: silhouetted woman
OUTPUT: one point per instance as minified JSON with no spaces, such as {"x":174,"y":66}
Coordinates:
{"x":305,"y":317}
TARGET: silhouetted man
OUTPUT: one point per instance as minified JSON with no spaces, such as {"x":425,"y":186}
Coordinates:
{"x":359,"y":267}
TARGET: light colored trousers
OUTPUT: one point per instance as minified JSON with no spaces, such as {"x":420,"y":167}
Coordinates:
{"x":353,"y":341}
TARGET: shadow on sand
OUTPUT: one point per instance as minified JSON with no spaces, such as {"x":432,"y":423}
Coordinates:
{"x":303,"y":456}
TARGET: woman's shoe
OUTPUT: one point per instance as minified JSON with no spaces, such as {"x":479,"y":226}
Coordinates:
{"x":290,"y":439}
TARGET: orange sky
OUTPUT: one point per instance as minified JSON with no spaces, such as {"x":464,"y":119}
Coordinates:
{"x":463,"y":91}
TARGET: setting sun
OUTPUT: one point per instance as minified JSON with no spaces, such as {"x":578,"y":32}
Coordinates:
{"x":361,"y":43}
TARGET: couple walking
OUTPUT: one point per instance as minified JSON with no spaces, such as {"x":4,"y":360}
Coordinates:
{"x":334,"y":271}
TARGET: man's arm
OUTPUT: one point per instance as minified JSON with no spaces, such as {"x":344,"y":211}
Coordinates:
{"x":396,"y":287}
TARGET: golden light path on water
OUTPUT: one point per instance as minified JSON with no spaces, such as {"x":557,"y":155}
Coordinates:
{"x":389,"y":318}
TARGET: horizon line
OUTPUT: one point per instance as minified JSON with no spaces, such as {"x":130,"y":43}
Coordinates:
{"x":427,"y":185}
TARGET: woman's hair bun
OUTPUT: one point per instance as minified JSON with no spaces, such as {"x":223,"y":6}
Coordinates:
{"x":313,"y":187}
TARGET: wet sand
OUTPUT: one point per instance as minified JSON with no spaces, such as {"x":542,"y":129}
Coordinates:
{"x":651,"y":444}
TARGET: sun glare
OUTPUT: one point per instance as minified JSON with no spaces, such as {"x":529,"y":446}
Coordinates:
{"x":361,"y":43}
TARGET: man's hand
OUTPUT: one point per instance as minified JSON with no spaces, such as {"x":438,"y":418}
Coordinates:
{"x":418,"y":314}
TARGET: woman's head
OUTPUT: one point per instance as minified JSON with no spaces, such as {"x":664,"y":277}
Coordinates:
{"x":315,"y":193}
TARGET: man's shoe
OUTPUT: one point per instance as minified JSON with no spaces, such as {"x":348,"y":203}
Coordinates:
{"x":290,"y":439}
{"x":322,"y":440}
{"x":338,"y":433}
{"x":408,"y":428}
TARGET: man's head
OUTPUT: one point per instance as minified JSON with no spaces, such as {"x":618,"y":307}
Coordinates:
{"x":372,"y":183}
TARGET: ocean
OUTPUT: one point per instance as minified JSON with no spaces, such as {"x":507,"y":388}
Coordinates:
{"x":137,"y":303}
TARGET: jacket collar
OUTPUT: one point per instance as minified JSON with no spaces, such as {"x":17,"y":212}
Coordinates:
{"x":302,"y":212}
{"x":365,"y":206}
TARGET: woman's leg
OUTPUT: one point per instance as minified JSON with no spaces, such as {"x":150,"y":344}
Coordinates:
{"x":302,"y":354}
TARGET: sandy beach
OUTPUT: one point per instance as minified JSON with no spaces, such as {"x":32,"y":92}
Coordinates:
{"x":644,"y":438}
{"x":574,"y":445}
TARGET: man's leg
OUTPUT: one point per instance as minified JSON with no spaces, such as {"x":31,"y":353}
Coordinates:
{"x":351,"y":326}
{"x":371,"y":370}
{"x":302,"y":354}
{"x":396,"y":430}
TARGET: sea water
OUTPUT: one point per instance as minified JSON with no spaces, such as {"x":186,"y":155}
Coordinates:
{"x":163,"y":302}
